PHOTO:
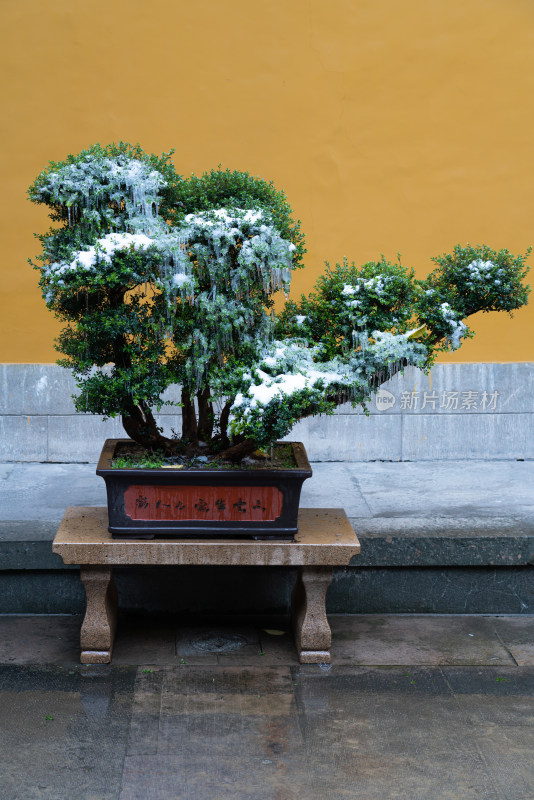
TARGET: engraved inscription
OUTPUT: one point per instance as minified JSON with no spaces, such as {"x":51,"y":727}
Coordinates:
{"x":216,"y":503}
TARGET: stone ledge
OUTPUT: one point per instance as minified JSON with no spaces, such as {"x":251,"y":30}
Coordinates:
{"x":444,"y":541}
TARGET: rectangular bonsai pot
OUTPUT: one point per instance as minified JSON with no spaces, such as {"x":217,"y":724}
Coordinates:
{"x":204,"y":503}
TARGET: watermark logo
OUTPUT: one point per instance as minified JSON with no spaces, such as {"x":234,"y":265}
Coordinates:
{"x":449,"y":401}
{"x":470,"y":400}
{"x":384,"y":400}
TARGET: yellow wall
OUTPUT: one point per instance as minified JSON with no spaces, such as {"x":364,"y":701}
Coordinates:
{"x":392,"y":125}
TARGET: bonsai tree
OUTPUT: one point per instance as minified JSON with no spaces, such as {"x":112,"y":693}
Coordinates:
{"x":164,"y":280}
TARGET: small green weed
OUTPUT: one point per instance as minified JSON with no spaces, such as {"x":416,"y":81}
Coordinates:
{"x":149,"y":461}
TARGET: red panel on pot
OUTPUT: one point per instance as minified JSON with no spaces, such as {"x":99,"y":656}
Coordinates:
{"x":217,"y":503}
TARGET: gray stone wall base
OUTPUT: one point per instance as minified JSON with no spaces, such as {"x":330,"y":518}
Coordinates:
{"x":457,"y":411}
{"x":191,"y":591}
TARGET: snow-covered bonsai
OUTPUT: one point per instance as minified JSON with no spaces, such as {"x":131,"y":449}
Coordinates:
{"x":167,"y":280}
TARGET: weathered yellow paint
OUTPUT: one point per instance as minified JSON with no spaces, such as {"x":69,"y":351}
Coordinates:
{"x":392,"y":126}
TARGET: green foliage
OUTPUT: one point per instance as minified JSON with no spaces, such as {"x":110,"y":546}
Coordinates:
{"x":478,"y":278}
{"x":273,"y":421}
{"x":64,"y":186}
{"x":468,"y":280}
{"x":231,"y":189}
{"x":156,"y":281}
{"x":377,"y":296}
{"x":361,"y":325}
{"x":161,"y":280}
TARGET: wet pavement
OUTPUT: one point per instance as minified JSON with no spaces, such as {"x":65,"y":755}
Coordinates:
{"x":412,"y":708}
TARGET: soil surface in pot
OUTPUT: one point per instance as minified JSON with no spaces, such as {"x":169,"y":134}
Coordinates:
{"x":132,"y":456}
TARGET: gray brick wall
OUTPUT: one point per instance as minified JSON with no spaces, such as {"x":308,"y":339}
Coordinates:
{"x":458,"y":411}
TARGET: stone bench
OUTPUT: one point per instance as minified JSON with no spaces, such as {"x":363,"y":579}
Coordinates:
{"x":325,"y":540}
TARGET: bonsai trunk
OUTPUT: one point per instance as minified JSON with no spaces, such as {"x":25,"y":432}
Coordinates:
{"x":238,"y":451}
{"x":223,"y":422}
{"x":140,"y":425}
{"x":205,"y":415}
{"x":189,"y":419}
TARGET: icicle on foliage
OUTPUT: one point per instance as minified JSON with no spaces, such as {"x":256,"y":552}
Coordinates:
{"x":115,"y":247}
{"x":109,"y":199}
{"x":239,"y":260}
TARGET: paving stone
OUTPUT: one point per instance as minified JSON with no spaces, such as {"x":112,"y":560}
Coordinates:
{"x":419,"y":516}
{"x":5,"y":471}
{"x":508,"y":695}
{"x":209,"y":775}
{"x":516,"y":634}
{"x":144,"y":724}
{"x":432,"y":590}
{"x":375,"y":639}
{"x":247,"y":713}
{"x":39,"y":639}
{"x":445,"y":489}
{"x":43,"y":492}
{"x":207,"y":644}
{"x":36,"y":389}
{"x":513,"y":383}
{"x":499,"y":708}
{"x":43,"y":592}
{"x":278,"y":649}
{"x":357,"y":639}
{"x":444,"y":541}
{"x":63,"y":734}
{"x":166,"y":732}
{"x":417,"y":424}
{"x":24,"y":554}
{"x":394,"y":733}
{"x":81,"y":437}
{"x":339,"y":485}
{"x":142,"y":639}
{"x":507,"y":750}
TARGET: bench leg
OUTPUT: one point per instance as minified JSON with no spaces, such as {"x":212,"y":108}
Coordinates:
{"x":100,"y":621}
{"x":313,"y":636}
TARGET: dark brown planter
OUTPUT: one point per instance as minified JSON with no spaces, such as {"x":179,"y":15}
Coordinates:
{"x":207,"y":503}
